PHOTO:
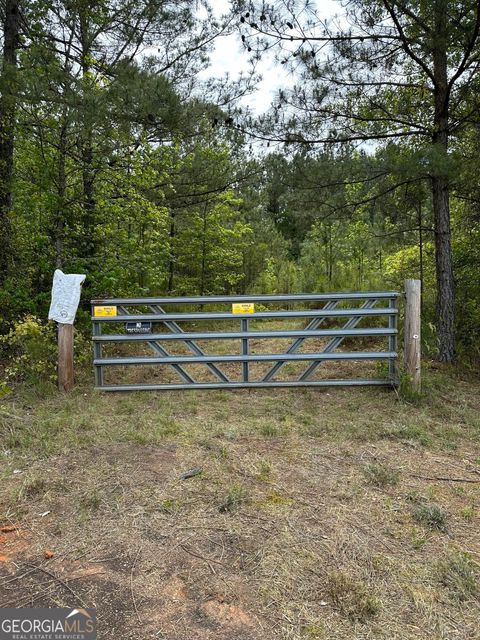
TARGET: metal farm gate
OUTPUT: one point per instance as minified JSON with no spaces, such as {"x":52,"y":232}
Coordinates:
{"x":151,"y":325}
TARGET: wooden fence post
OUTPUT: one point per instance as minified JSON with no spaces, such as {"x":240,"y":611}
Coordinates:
{"x":65,"y":356}
{"x":412,"y":325}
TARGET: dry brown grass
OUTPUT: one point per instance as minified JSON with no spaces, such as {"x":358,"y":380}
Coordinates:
{"x":282,"y":536}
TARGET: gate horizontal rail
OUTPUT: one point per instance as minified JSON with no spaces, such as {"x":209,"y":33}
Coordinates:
{"x":294,"y":297}
{"x":260,"y":357}
{"x":261,"y":315}
{"x":174,"y":333}
{"x":354,"y":382}
{"x":213,"y":335}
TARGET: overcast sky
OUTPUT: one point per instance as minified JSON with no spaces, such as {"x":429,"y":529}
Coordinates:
{"x":230,"y":57}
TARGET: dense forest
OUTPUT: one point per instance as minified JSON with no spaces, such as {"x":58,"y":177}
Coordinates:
{"x":121,"y":159}
{"x":275,"y":467}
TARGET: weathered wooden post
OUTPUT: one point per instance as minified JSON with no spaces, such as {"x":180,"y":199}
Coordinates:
{"x":65,"y":298}
{"x":412,"y":328}
{"x":65,"y":357}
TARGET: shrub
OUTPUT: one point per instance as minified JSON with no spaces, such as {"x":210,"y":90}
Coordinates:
{"x":380,"y":475}
{"x":29,"y":349}
{"x":234,"y":498}
{"x":431,"y":515}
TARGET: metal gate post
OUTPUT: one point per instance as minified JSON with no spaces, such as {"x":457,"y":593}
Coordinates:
{"x":392,"y":341}
{"x":97,"y":349}
{"x":245,"y":348}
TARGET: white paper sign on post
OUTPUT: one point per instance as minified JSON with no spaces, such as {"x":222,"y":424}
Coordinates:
{"x":65,"y":296}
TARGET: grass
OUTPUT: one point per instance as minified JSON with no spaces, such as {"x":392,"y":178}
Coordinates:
{"x":91,"y":501}
{"x":236,"y":495}
{"x":269,"y":429}
{"x":317,"y":513}
{"x":431,"y":515}
{"x":352,"y":597}
{"x":85,"y":418}
{"x":33,"y":487}
{"x":264,"y":470}
{"x":460,"y":576}
{"x":381,"y":475}
{"x":469,"y":512}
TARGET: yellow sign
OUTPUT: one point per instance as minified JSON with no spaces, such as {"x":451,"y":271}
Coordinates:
{"x":104,"y":311}
{"x":243,"y":307}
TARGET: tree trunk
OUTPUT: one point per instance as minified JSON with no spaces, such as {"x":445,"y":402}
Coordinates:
{"x":8,"y":82}
{"x":330,"y":255}
{"x":61,"y":191}
{"x":88,"y":249}
{"x":440,"y":195}
{"x":444,"y":269}
{"x":88,"y":179}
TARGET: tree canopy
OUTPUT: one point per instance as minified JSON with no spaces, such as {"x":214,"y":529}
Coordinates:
{"x":117,"y":160}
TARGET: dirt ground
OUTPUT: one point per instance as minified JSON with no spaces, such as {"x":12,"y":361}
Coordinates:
{"x":331,"y":514}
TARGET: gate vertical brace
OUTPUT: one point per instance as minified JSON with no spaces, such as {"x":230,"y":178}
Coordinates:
{"x":97,"y":350}
{"x":245,"y":349}
{"x":392,"y":341}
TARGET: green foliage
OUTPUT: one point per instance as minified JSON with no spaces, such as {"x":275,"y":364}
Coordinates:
{"x":235,"y":497}
{"x":209,"y":249}
{"x":406,"y":390}
{"x":280,"y":275}
{"x":30,"y":347}
{"x":123,"y":173}
{"x":380,"y":475}
{"x":431,"y":515}
{"x":352,"y":597}
{"x":459,"y":575}
{"x":466,"y":248}
{"x":335,"y":253}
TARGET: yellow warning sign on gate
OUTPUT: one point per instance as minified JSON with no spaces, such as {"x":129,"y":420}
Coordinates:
{"x":243,"y":307}
{"x":100,"y":312}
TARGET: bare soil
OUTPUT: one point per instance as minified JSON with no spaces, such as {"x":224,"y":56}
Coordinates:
{"x":305,"y":521}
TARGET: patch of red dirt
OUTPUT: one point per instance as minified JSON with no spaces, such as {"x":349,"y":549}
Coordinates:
{"x":175,"y":591}
{"x":227,"y":614}
{"x":14,"y":544}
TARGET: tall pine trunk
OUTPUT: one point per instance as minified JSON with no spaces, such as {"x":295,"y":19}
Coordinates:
{"x":7,"y":130}
{"x":89,"y":245}
{"x":440,"y":195}
{"x":444,"y":269}
{"x":61,"y":192}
